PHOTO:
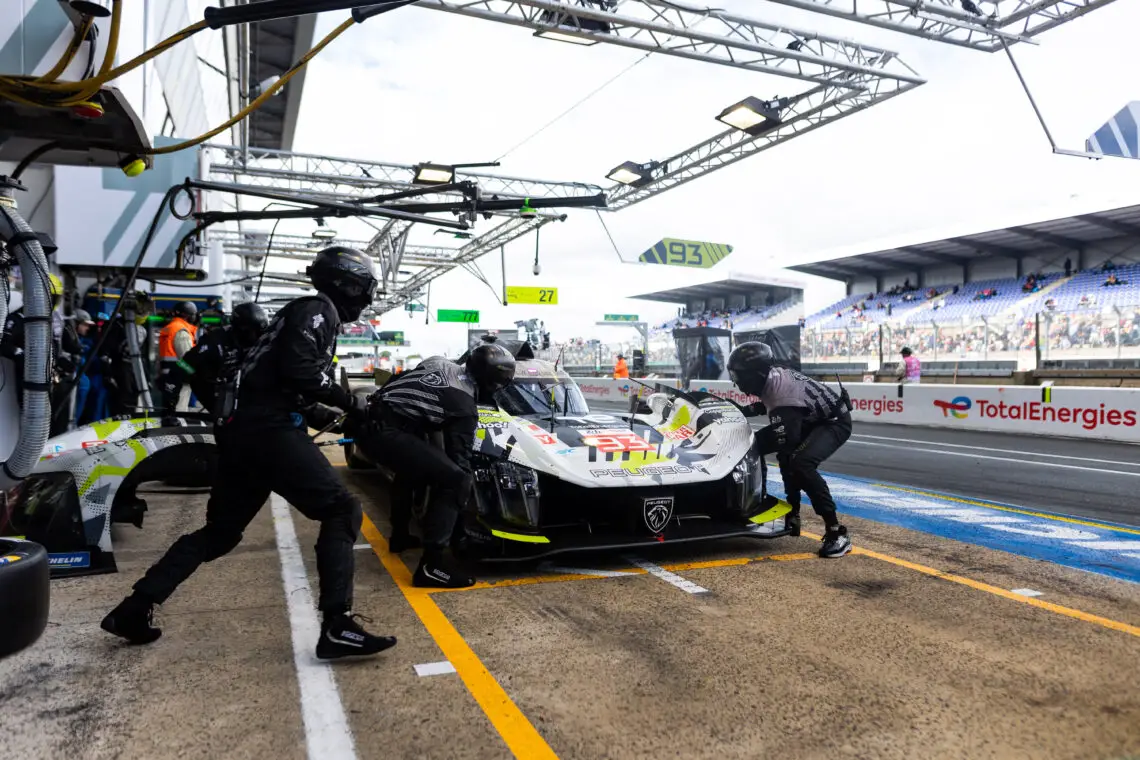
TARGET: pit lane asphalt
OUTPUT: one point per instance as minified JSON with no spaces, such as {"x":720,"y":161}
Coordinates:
{"x":1088,"y":479}
{"x":912,"y":647}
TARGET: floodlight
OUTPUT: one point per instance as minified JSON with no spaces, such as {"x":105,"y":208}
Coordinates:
{"x":324,"y":233}
{"x":631,"y":173}
{"x":751,"y":115}
{"x":433,"y":174}
{"x":567,"y":28}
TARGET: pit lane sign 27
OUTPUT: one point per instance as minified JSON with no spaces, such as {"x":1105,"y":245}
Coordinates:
{"x":528,"y":295}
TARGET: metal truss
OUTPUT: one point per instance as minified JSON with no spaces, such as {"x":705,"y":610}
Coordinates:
{"x":706,"y":35}
{"x":494,"y":238}
{"x":812,"y":111}
{"x":948,"y":20}
{"x":305,"y":173}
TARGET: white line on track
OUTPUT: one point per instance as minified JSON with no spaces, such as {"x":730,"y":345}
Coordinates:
{"x":434,"y":669}
{"x":996,"y":451}
{"x":943,"y":452}
{"x":671,"y":578}
{"x":327,"y":735}
{"x":1025,"y":592}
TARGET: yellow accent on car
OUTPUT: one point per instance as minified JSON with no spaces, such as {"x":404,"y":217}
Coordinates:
{"x":102,"y":470}
{"x":523,"y":537}
{"x":775,"y":513}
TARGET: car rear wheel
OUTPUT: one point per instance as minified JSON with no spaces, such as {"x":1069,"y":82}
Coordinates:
{"x":25,"y":594}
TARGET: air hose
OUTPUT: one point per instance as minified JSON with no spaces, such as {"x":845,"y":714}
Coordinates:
{"x":36,"y":414}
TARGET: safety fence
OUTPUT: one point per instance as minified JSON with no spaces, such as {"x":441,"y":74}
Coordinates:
{"x":1108,"y":414}
{"x":1090,"y":333}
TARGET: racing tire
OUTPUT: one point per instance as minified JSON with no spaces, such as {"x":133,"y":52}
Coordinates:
{"x":25,"y":594}
{"x":353,"y":462}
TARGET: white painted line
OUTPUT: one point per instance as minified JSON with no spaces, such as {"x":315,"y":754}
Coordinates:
{"x":1026,"y":592}
{"x":434,"y":669}
{"x":943,"y":452}
{"x":327,"y":735}
{"x":668,"y":577}
{"x":997,"y":451}
{"x":360,"y":547}
{"x":546,"y":567}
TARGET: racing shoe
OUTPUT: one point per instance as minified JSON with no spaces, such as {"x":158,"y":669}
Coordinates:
{"x":342,"y":636}
{"x":792,"y":521}
{"x":835,"y":543}
{"x":132,"y":620}
{"x":435,"y":571}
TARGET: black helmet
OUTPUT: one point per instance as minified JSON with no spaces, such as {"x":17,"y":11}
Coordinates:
{"x":347,"y":277}
{"x":249,"y":321}
{"x":187,"y":310}
{"x":749,"y":365}
{"x":491,"y":367}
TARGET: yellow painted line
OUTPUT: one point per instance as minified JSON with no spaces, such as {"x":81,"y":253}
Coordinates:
{"x":520,"y":736}
{"x":1087,"y":617}
{"x":706,"y":564}
{"x":1015,"y":510}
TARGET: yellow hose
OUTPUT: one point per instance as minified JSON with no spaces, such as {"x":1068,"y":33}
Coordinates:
{"x":68,"y":55}
{"x":260,"y":100}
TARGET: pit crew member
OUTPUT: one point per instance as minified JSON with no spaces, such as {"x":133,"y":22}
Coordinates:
{"x":264,"y":448}
{"x":216,"y":357}
{"x":438,"y":396}
{"x":808,"y":423}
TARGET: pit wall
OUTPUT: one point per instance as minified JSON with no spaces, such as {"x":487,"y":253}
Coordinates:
{"x":1107,"y":414}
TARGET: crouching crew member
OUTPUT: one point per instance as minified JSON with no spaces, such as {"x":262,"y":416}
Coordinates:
{"x":213,"y":360}
{"x":438,"y":396}
{"x":808,"y":423}
{"x":264,"y":448}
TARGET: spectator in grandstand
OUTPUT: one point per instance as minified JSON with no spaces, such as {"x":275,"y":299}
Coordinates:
{"x":621,"y":369}
{"x":1068,"y":267}
{"x":1112,"y":279}
{"x":1107,"y":266}
{"x":1030,"y":285}
{"x":910,"y":368}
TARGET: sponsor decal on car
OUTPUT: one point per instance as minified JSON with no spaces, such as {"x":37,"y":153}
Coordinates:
{"x":680,"y":433}
{"x":70,"y":560}
{"x":617,"y":440}
{"x":642,"y":471}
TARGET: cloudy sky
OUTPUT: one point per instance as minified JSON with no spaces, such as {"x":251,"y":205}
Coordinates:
{"x":419,"y":85}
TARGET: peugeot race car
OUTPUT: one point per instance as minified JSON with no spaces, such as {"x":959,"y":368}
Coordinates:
{"x":86,"y":480}
{"x":552,"y":476}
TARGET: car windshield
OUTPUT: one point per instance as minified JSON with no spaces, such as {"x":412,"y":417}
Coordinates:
{"x":535,"y":396}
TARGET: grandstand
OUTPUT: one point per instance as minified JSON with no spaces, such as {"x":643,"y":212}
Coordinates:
{"x":1063,"y":291}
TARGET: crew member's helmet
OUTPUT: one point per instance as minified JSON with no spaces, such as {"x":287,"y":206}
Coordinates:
{"x":906,"y":351}
{"x":187,"y":310}
{"x":347,"y":277}
{"x":491,"y":367}
{"x":249,"y":321}
{"x":749,"y":365}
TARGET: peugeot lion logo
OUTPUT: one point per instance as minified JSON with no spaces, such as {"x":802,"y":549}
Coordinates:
{"x":657,"y":513}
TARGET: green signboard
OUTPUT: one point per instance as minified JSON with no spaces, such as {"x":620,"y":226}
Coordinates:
{"x":620,"y":318}
{"x":686,"y":253}
{"x":456,"y":315}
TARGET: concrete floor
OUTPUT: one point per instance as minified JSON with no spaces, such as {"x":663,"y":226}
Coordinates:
{"x":913,"y":648}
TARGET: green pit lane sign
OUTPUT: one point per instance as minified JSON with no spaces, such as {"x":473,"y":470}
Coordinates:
{"x":620,"y":318}
{"x":457,"y":315}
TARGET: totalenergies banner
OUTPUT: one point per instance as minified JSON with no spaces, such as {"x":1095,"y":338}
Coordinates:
{"x":1110,"y":414}
{"x":609,"y":389}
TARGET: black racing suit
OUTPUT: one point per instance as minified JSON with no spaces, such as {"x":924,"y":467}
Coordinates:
{"x":215,"y":358}
{"x":263,"y":448}
{"x":808,"y":423}
{"x":434,"y":398}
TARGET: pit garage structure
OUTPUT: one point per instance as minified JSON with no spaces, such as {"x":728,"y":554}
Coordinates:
{"x":827,"y":78}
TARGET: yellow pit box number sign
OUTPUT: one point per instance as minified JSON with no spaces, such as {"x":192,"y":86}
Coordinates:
{"x":528,"y":295}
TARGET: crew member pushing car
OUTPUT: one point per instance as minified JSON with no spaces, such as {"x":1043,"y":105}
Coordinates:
{"x":438,"y":396}
{"x":264,"y":448}
{"x":213,"y":359}
{"x":808,"y":423}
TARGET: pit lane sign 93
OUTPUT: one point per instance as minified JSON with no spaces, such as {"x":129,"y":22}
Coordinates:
{"x":693,"y":254}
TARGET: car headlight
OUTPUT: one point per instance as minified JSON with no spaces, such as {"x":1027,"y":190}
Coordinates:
{"x":748,"y":477}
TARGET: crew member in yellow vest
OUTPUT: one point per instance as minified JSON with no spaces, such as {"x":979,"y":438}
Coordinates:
{"x":177,"y":337}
